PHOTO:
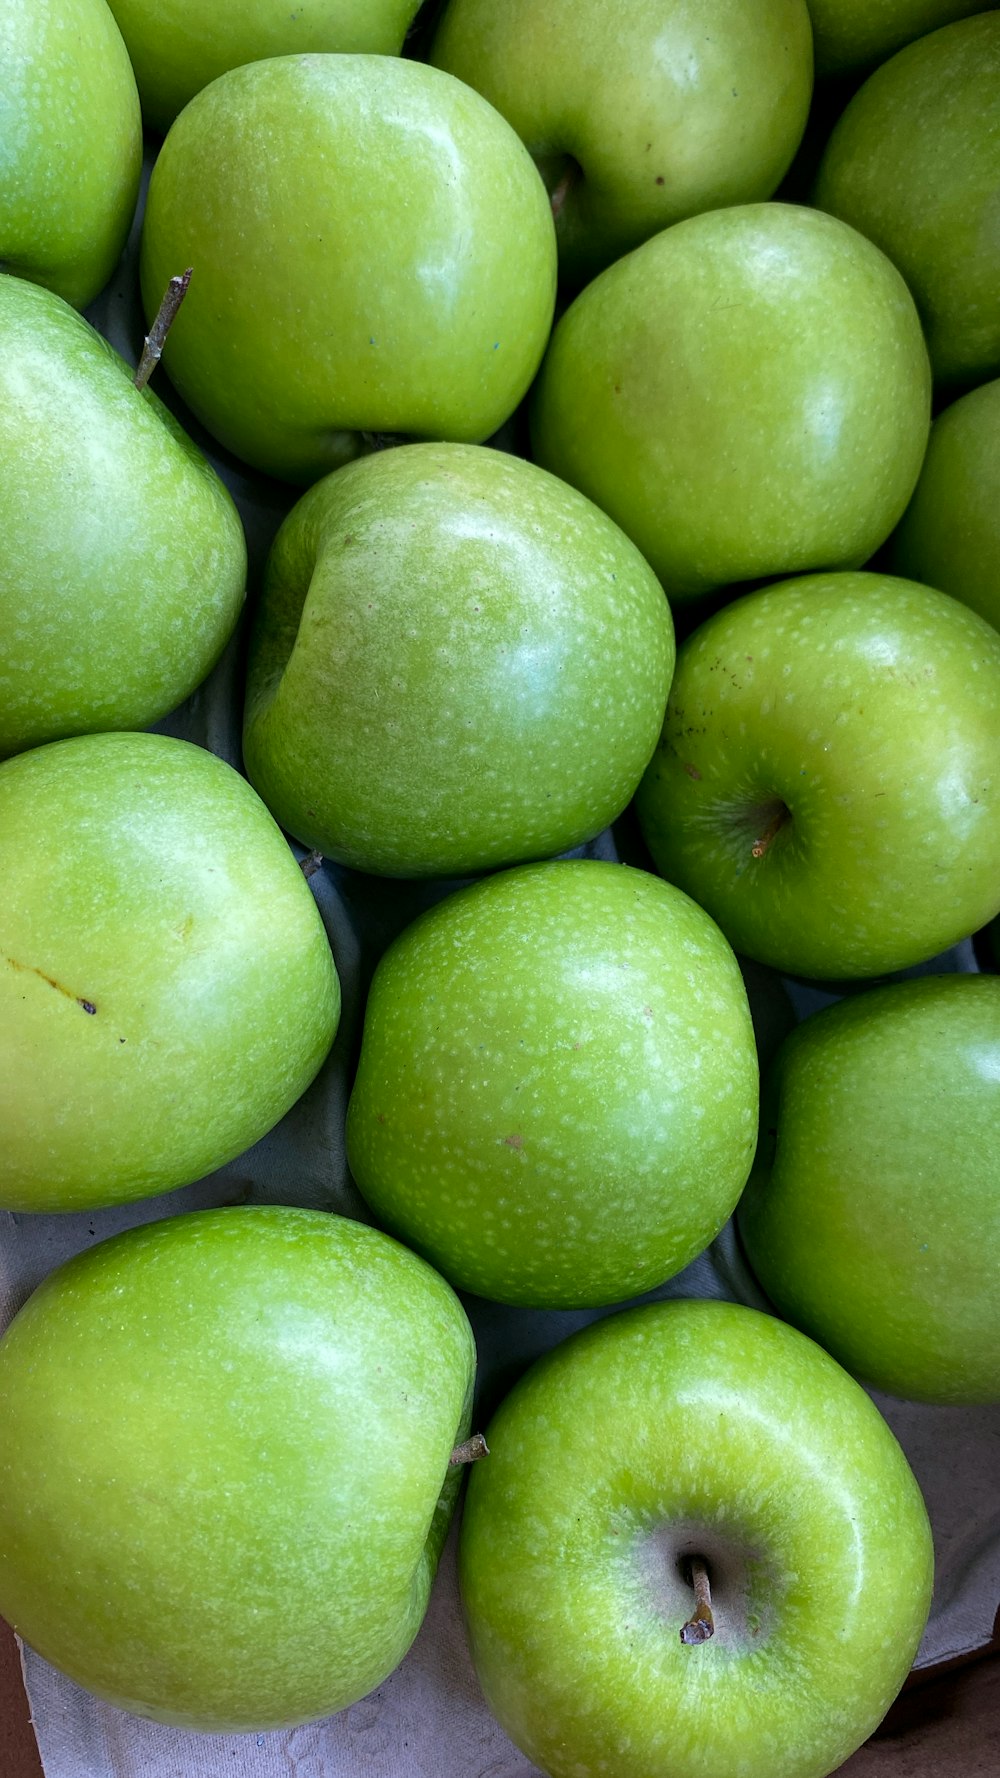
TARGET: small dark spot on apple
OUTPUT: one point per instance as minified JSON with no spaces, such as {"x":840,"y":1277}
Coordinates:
{"x":121,"y":1040}
{"x":660,"y":179}
{"x":618,"y":388}
{"x":88,"y":1006}
{"x":380,"y":1117}
{"x":692,"y":771}
{"x":648,"y":146}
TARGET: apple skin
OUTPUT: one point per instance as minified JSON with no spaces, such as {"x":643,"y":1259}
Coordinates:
{"x":748,"y":394}
{"x":866,"y":710}
{"x":328,"y":300}
{"x":556,"y":1101}
{"x":179,"y":46}
{"x":850,"y":34}
{"x":949,"y":535}
{"x":166,"y":986}
{"x":458,"y":663}
{"x":669,"y":109}
{"x":914,"y":163}
{"x":872,"y":1217}
{"x":671,"y":1430}
{"x":70,"y":145}
{"x":224,"y":1477}
{"x":124,"y":561}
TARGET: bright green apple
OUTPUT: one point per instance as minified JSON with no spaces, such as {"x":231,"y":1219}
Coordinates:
{"x":124,"y":563}
{"x":224,"y":1476}
{"x":826,"y":782}
{"x":458,"y":663}
{"x":949,"y":535}
{"x":747,"y":394}
{"x":166,"y":985}
{"x":179,"y":46}
{"x":872,"y":1217}
{"x":914,"y":163}
{"x":70,"y":144}
{"x":640,"y":116}
{"x":556,"y":1101}
{"x":373,"y":252}
{"x":851,"y":34}
{"x":678,"y":1433}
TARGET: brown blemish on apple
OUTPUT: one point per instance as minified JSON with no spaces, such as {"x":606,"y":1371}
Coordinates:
{"x":692,"y":771}
{"x":30,"y":969}
{"x":516,"y":1141}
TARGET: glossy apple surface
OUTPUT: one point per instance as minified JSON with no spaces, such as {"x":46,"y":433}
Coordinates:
{"x":826,"y":781}
{"x":747,"y":394}
{"x":949,"y":535}
{"x":556,"y":1101}
{"x":914,"y":163}
{"x":166,"y":986}
{"x":179,"y":46}
{"x":70,"y":145}
{"x":872,"y":1217}
{"x":329,"y":206}
{"x":124,"y":562}
{"x":458,"y":663}
{"x":852,"y":34}
{"x":224,"y":1477}
{"x":677,"y":1430}
{"x":654,"y":112}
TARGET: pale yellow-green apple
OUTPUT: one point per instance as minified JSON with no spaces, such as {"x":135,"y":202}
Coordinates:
{"x":556,"y":1101}
{"x":677,"y":1442}
{"x":826,"y":781}
{"x":166,"y":986}
{"x":458,"y":663}
{"x":70,"y":144}
{"x":914,"y":163}
{"x":124,"y":562}
{"x":747,"y":394}
{"x":851,"y":34}
{"x":642,"y":115}
{"x":224,"y":1474}
{"x":949,"y":535}
{"x":872,"y":1217}
{"x":179,"y":46}
{"x":373,"y":252}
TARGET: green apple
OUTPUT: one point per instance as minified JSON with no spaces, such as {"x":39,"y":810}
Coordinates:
{"x":459,"y":662}
{"x":124,"y":562}
{"x":224,"y":1477}
{"x":373,"y":252}
{"x":914,"y":163}
{"x":639,"y":117}
{"x":872,"y":1217}
{"x":166,"y":985}
{"x":748,"y":394}
{"x":949,"y":535}
{"x":673,"y":1437}
{"x":556,"y":1101}
{"x":179,"y":46}
{"x":70,"y":145}
{"x":826,"y":781}
{"x":851,"y":34}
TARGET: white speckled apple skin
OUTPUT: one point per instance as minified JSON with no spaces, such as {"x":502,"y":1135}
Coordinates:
{"x":373,"y":251}
{"x":677,"y":1429}
{"x":872,"y":1217}
{"x":458,"y":663}
{"x":747,"y":394}
{"x":124,"y":562}
{"x":70,"y":144}
{"x":869,"y":707}
{"x":166,"y":986}
{"x":240,"y":1420}
{"x":556,"y":1101}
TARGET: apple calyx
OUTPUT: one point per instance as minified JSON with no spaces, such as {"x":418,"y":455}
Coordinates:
{"x":152,"y":348}
{"x":700,"y":1625}
{"x":470,"y":1450}
{"x":779,"y":814}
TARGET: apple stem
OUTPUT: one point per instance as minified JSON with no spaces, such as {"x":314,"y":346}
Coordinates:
{"x":781,"y":814}
{"x":310,"y":864}
{"x":560,"y":192}
{"x":470,"y":1450}
{"x":701,"y":1624}
{"x":152,"y":348}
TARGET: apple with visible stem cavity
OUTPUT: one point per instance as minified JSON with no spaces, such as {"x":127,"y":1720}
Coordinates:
{"x":696,"y":1551}
{"x":826,"y":781}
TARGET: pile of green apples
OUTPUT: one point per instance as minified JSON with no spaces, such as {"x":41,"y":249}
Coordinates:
{"x":495,"y":309}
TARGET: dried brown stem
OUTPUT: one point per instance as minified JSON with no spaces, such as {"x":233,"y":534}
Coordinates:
{"x":774,"y":826}
{"x":701,"y":1624}
{"x":166,"y":314}
{"x":470,"y":1450}
{"x":311,"y":863}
